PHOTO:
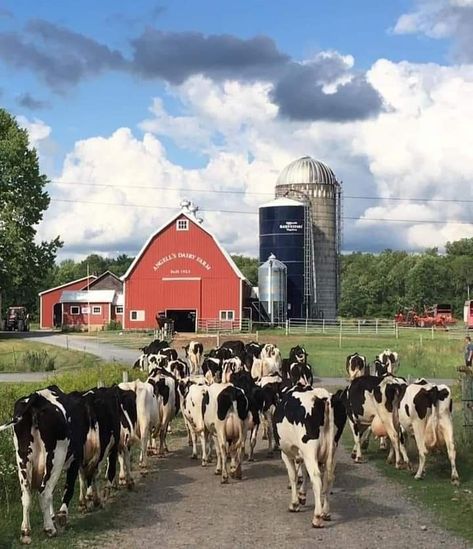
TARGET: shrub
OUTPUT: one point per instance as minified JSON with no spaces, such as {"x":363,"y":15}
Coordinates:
{"x":113,"y":325}
{"x":38,"y":361}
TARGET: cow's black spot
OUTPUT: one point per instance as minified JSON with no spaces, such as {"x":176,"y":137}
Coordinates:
{"x":407,"y":410}
{"x":205,"y":402}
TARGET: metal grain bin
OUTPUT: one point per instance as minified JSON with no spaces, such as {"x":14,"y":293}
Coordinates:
{"x":282,"y":234}
{"x":272,"y":286}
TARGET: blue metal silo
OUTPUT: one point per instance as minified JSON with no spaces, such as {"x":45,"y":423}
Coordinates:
{"x":281,"y":230}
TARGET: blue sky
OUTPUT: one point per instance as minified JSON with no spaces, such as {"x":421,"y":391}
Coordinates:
{"x":220,"y":95}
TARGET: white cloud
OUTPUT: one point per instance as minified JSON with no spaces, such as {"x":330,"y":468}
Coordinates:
{"x":419,"y":147}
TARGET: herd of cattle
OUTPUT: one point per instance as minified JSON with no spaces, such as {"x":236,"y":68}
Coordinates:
{"x":225,"y":397}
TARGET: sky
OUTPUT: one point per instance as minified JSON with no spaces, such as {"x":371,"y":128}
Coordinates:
{"x":134,"y":108}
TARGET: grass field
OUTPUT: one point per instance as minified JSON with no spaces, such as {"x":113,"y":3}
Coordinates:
{"x":10,"y":505}
{"x":17,"y":355}
{"x":451,"y":505}
{"x":420,"y":354}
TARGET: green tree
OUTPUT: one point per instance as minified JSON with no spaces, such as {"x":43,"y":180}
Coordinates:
{"x":464,"y":246}
{"x":248,"y":266}
{"x":24,"y":263}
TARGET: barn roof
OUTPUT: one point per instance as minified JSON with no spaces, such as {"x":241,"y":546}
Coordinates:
{"x":83,"y":279}
{"x":227,"y":256}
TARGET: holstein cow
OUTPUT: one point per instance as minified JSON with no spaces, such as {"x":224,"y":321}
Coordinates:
{"x":356,"y":366}
{"x":236,"y":346}
{"x":252,"y":352}
{"x":271,"y":357}
{"x":194,"y":352}
{"x":390,"y":359}
{"x":225,"y":409}
{"x":178,"y":368}
{"x":43,"y":438}
{"x":425,"y":411}
{"x":305,"y":430}
{"x":270,"y":386}
{"x":380,"y":369}
{"x":296,"y":354}
{"x":192,"y":397}
{"x":165,"y":386}
{"x":152,"y":349}
{"x":374,"y":401}
{"x":212,"y":370}
{"x":148,"y":419}
{"x":128,"y":435}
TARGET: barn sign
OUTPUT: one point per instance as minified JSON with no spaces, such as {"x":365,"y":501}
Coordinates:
{"x":181,"y":255}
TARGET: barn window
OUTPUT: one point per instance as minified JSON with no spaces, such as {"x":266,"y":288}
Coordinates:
{"x":182,"y":225}
{"x":97,"y":310}
{"x":75,"y":310}
{"x":119,"y":310}
{"x":227,"y":315}
{"x":137,"y":315}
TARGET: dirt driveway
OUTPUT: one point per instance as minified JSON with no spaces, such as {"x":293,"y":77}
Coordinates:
{"x":185,"y":506}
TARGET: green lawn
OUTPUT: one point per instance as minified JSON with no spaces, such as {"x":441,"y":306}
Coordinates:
{"x":451,"y":505}
{"x":17,"y":355}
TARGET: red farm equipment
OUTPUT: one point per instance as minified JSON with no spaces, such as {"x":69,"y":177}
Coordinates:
{"x":438,"y":316}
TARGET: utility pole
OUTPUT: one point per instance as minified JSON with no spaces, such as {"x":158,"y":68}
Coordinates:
{"x":88,"y":299}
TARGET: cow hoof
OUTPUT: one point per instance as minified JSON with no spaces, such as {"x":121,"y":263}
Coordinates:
{"x":419,"y":477}
{"x":318,"y":522}
{"x":294,"y":508}
{"x":25,"y":537}
{"x":353,"y":455}
{"x":224,"y":480}
{"x":82,"y":506}
{"x":204,"y":463}
{"x":61,"y":519}
{"x":218,"y":471}
{"x":302,"y":500}
{"x":237,"y":473}
{"x":265,"y":437}
{"x":327,"y":517}
{"x":194,"y":456}
{"x":51,"y":532}
{"x":456,"y":481}
{"x":130,"y":484}
{"x":251,"y":458}
{"x":359,"y":461}
{"x":122,"y":481}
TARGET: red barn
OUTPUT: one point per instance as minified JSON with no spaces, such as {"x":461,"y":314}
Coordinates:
{"x":50,"y":307}
{"x":183,"y":273}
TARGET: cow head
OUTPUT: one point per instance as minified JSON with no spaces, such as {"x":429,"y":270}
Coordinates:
{"x":298,"y":354}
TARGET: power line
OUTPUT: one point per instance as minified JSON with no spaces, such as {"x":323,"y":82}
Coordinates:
{"x":253,"y":193}
{"x":243,"y":212}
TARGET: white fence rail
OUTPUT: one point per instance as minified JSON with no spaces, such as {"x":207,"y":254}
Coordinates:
{"x":347,"y":327}
{"x":214,"y":325}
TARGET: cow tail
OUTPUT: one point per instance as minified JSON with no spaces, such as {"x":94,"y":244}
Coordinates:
{"x":330,"y":431}
{"x":11,"y":423}
{"x":433,"y":421}
{"x":396,"y":402}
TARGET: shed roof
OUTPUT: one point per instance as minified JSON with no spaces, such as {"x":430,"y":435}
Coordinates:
{"x":92,"y":296}
{"x":83,"y":279}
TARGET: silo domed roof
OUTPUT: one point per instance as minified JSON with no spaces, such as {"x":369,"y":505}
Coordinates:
{"x":306,"y":170}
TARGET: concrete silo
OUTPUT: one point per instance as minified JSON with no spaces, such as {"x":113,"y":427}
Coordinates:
{"x":314,"y":183}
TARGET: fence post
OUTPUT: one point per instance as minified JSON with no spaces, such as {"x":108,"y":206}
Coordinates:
{"x":377,"y":321}
{"x":432,"y":331}
{"x":340,"y":336}
{"x":287,"y":327}
{"x":67,"y":342}
{"x":396,"y":330}
{"x":467,"y":405}
{"x":306,"y":321}
{"x":421,"y":342}
{"x":257,"y":336}
{"x":218,"y":338}
{"x":125,"y":376}
{"x":359,"y":327}
{"x":323,"y":325}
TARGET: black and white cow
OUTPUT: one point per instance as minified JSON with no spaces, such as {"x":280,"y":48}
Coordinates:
{"x":43,"y":440}
{"x":391,"y":360}
{"x":165,"y":387}
{"x":236,"y":346}
{"x":128,"y":435}
{"x":356,"y":366}
{"x":271,"y":387}
{"x":379,"y":368}
{"x":225,"y":410}
{"x":271,"y":357}
{"x":298,"y":355}
{"x":425,"y":412}
{"x":179,"y":368}
{"x":305,"y":431}
{"x":194,"y":353}
{"x":148,"y":413}
{"x":192,"y":397}
{"x":212,"y":369}
{"x":374,"y":401}
{"x":155,"y":347}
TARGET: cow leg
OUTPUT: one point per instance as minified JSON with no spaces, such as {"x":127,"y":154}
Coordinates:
{"x":82,"y":491}
{"x":356,"y":452}
{"x":218,"y":467}
{"x":302,"y":495}
{"x":144,"y":446}
{"x":222,"y":444}
{"x":71,"y":477}
{"x":269,"y":432}
{"x":419,"y":430}
{"x":402,"y":447}
{"x":394,"y":438}
{"x":55,"y":458}
{"x":447,"y":432}
{"x":193,"y":436}
{"x":290,"y":464}
{"x":312,"y":467}
{"x":253,"y":437}
{"x":203,"y":444}
{"x":25,"y":537}
{"x":365,"y":438}
{"x":383,"y":443}
{"x":111,"y":470}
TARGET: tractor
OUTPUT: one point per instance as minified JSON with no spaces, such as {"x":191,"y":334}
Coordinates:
{"x":17,"y":319}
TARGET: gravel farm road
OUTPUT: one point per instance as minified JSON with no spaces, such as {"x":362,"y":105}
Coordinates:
{"x":185,"y":506}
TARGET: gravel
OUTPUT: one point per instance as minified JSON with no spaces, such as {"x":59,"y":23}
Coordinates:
{"x":185,"y":506}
